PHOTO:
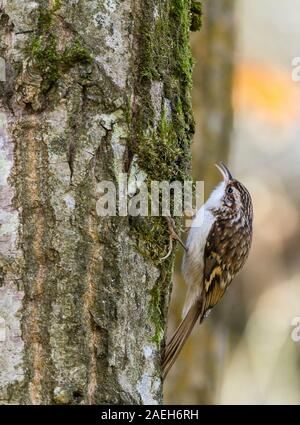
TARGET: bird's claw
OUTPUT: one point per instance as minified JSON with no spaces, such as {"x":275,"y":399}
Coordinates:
{"x":169,"y":251}
{"x":173,"y":236}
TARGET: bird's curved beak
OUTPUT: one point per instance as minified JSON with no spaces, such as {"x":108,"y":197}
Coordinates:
{"x":224,"y":171}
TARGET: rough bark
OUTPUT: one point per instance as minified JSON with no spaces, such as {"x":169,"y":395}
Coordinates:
{"x":93,"y":88}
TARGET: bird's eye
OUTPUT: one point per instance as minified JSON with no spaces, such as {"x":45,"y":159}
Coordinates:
{"x":229,"y":190}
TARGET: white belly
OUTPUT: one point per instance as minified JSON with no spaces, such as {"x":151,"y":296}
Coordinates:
{"x":193,"y":261}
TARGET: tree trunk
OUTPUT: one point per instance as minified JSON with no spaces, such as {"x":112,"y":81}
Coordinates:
{"x":92,"y":89}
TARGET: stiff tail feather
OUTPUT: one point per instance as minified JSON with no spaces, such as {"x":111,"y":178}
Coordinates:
{"x":179,"y":337}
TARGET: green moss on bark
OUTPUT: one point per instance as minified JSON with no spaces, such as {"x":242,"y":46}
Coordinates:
{"x":196,"y":16}
{"x":156,"y":315}
{"x":162,"y":144}
{"x":163,"y":152}
{"x":165,"y":56}
{"x":157,"y":144}
{"x":47,"y":59}
{"x":45,"y":16}
{"x":51,"y":62}
{"x":76,"y":53}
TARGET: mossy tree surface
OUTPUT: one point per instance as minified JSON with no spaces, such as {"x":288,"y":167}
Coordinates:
{"x":93,"y":89}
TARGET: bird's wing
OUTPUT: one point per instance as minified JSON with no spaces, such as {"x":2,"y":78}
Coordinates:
{"x":215,"y":275}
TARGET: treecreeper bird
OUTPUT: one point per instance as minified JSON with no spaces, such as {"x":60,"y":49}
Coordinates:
{"x":217,"y":247}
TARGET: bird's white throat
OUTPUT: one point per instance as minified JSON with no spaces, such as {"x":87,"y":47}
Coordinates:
{"x":214,"y":200}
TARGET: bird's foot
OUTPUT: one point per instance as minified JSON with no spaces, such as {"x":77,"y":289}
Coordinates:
{"x":173,"y":236}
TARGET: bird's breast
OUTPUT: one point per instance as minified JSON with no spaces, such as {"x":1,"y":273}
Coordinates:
{"x":193,"y":260}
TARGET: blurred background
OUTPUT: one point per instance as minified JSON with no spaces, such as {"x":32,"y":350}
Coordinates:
{"x":247,"y":112}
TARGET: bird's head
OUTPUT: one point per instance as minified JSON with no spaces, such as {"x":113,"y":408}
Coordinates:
{"x":230,"y":195}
